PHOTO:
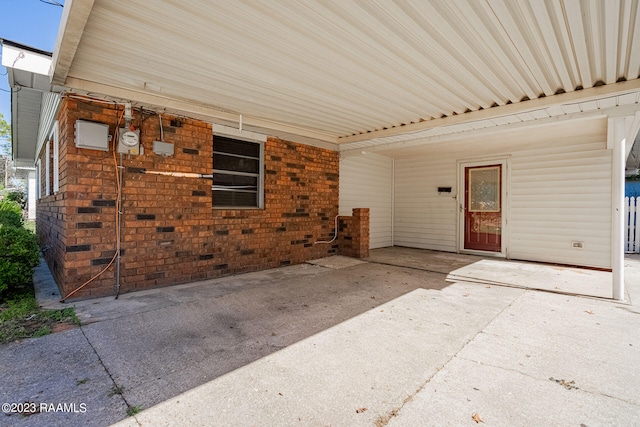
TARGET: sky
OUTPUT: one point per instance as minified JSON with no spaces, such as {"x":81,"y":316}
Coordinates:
{"x":30,"y":22}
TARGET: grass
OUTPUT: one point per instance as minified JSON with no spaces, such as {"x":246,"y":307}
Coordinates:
{"x":82,"y":381}
{"x":116,"y":389}
{"x":134,"y":410}
{"x":21,"y":317}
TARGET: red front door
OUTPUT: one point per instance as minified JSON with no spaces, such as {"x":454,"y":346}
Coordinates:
{"x":483,"y":208}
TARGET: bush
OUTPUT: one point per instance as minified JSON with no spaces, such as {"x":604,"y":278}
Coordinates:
{"x":19,"y":197}
{"x":10,"y":213}
{"x":19,"y":255}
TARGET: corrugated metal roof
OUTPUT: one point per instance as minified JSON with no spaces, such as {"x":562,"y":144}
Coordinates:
{"x":335,"y":69}
{"x":628,"y":104}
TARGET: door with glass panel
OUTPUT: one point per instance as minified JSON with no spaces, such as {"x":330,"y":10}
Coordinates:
{"x":483,"y":208}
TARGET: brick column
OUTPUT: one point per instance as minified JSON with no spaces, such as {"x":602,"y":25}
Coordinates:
{"x":353,"y":234}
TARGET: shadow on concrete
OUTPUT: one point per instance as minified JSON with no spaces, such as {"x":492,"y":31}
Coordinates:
{"x":156,"y":344}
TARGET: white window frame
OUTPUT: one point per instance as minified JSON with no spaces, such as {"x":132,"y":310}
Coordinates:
{"x":55,"y":137}
{"x":47,"y":169}
{"x":38,"y":179}
{"x":241,"y":135}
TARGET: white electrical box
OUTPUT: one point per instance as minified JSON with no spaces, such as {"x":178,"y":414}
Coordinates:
{"x":128,"y":141}
{"x":91,"y":135}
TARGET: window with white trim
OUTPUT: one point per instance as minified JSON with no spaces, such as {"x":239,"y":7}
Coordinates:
{"x":47,"y":170}
{"x":38,"y":179}
{"x":237,"y":173}
{"x":56,"y":157}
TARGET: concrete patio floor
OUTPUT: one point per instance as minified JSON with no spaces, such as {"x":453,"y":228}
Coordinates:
{"x":338,"y":342}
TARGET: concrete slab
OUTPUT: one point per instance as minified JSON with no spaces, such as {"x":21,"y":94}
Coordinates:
{"x":372,"y":361}
{"x":423,"y":259}
{"x":496,"y":271}
{"x":187,"y":336}
{"x":47,"y":293}
{"x":57,"y":369}
{"x":508,"y":398}
{"x":576,"y":339}
{"x":366,"y":344}
{"x":335,"y":262}
{"x":567,"y":280}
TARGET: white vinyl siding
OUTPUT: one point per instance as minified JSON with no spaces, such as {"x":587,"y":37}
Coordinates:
{"x":559,"y":192}
{"x":366,"y":182}
{"x":423,"y":218}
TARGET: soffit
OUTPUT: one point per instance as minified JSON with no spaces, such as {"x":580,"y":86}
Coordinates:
{"x":346,"y":70}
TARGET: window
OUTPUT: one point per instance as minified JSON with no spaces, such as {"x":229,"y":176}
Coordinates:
{"x":38,"y":179}
{"x":56,"y":157}
{"x":237,"y":173}
{"x":47,"y":169}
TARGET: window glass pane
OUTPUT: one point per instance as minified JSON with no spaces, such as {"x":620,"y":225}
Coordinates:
{"x":236,"y":181}
{"x":238,"y":164}
{"x":234,"y":199}
{"x":234,"y":146}
{"x":484,"y":189}
{"x":233,"y":160}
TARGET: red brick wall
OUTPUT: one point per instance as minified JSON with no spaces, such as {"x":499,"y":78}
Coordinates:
{"x":170,"y":232}
{"x":353,"y":234}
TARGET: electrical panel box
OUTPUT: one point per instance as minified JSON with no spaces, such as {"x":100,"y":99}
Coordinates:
{"x":163,"y":148}
{"x":91,"y":135}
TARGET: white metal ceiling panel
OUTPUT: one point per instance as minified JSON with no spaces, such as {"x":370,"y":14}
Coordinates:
{"x":356,"y":67}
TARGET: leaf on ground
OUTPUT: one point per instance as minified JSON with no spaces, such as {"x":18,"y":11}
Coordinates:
{"x":360,"y":410}
{"x":569,"y":385}
{"x":476,"y":417}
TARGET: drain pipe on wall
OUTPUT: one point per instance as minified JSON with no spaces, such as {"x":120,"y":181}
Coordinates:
{"x":335,"y":235}
{"x":118,"y":232}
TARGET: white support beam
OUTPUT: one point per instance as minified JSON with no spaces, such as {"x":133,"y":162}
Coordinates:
{"x":584,"y":95}
{"x":616,"y":140}
{"x":425,"y":137}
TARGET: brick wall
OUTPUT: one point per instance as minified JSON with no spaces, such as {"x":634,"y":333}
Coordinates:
{"x":170,"y":232}
{"x":353,"y":234}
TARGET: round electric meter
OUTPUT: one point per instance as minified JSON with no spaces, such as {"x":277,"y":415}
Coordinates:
{"x":129,"y":138}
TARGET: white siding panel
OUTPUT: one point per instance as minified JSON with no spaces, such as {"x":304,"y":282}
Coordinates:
{"x":560,"y":192}
{"x":559,"y":197}
{"x":425,"y":219}
{"x":366,"y":182}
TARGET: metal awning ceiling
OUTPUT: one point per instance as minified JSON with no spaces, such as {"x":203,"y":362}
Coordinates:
{"x":27,"y":70}
{"x":345,"y":71}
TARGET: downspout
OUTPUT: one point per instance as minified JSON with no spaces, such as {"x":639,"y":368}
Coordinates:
{"x":393,"y":201}
{"x":119,"y":226}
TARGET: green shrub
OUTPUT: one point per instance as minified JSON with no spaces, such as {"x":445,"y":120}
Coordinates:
{"x":19,"y":197}
{"x":10,"y":213}
{"x":19,"y":255}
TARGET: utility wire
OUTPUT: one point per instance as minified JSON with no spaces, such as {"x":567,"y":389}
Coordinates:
{"x":52,"y":3}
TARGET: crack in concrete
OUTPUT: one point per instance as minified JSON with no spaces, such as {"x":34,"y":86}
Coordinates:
{"x":383,"y":420}
{"x":115,"y":384}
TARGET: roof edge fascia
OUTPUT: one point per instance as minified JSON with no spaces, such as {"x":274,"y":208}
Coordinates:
{"x":583,"y":95}
{"x":74,"y":19}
